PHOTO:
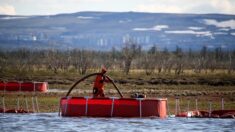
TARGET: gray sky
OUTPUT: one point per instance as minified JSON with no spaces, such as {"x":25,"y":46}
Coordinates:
{"x":48,"y":7}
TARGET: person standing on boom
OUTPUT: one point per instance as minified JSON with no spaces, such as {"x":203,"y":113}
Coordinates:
{"x":98,"y":88}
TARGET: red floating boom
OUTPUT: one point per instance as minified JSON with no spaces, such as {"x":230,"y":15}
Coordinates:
{"x":24,"y":86}
{"x":206,"y":114}
{"x":113,"y":107}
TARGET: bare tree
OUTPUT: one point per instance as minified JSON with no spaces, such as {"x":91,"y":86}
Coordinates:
{"x":179,"y":61}
{"x":53,"y":60}
{"x":203,"y":58}
{"x":148,"y":63}
{"x":85,"y":60}
{"x":81,"y":60}
{"x":129,"y":52}
{"x":3,"y":61}
{"x":21,"y":59}
{"x":167,"y":60}
{"x":149,"y":60}
{"x":230,"y":63}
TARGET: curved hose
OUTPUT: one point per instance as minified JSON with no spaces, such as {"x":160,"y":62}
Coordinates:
{"x":111,"y":80}
{"x":87,"y":76}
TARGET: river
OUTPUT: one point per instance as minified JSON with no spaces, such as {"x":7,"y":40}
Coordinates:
{"x":41,"y":122}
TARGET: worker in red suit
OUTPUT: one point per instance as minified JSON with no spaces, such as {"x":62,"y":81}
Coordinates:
{"x":98,"y":89}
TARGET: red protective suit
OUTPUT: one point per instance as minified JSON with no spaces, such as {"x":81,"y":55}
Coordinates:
{"x":98,"y":89}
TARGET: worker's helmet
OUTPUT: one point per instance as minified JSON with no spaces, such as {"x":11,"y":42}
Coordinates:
{"x":103,"y":70}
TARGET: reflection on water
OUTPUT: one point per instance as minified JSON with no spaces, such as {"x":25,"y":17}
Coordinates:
{"x":51,"y":122}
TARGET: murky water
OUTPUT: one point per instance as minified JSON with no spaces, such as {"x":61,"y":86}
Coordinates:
{"x":51,"y":122}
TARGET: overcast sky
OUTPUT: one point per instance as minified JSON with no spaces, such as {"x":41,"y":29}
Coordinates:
{"x":48,"y":7}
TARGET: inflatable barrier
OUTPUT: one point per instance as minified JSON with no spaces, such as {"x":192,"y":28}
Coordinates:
{"x":24,"y":86}
{"x":113,"y":107}
{"x":14,"y":111}
{"x":206,"y":114}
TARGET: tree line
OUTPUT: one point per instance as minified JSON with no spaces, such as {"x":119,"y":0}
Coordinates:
{"x":131,"y":56}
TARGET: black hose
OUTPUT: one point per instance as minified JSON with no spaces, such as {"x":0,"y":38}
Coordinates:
{"x":87,"y":76}
{"x":111,"y":80}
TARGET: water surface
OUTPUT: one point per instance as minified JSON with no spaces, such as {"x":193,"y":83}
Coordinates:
{"x":52,"y":122}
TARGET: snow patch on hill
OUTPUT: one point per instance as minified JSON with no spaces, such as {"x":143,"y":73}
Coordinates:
{"x":221,"y":24}
{"x":14,"y":17}
{"x":198,"y":34}
{"x":86,"y":17}
{"x":195,"y":28}
{"x":155,"y":28}
{"x":233,"y":34}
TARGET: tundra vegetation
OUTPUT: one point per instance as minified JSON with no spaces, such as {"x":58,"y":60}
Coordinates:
{"x":130,"y":57}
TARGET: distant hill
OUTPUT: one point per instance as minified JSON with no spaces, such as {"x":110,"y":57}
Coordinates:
{"x":104,"y":30}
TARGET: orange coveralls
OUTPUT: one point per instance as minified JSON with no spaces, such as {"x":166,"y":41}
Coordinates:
{"x":98,"y":89}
